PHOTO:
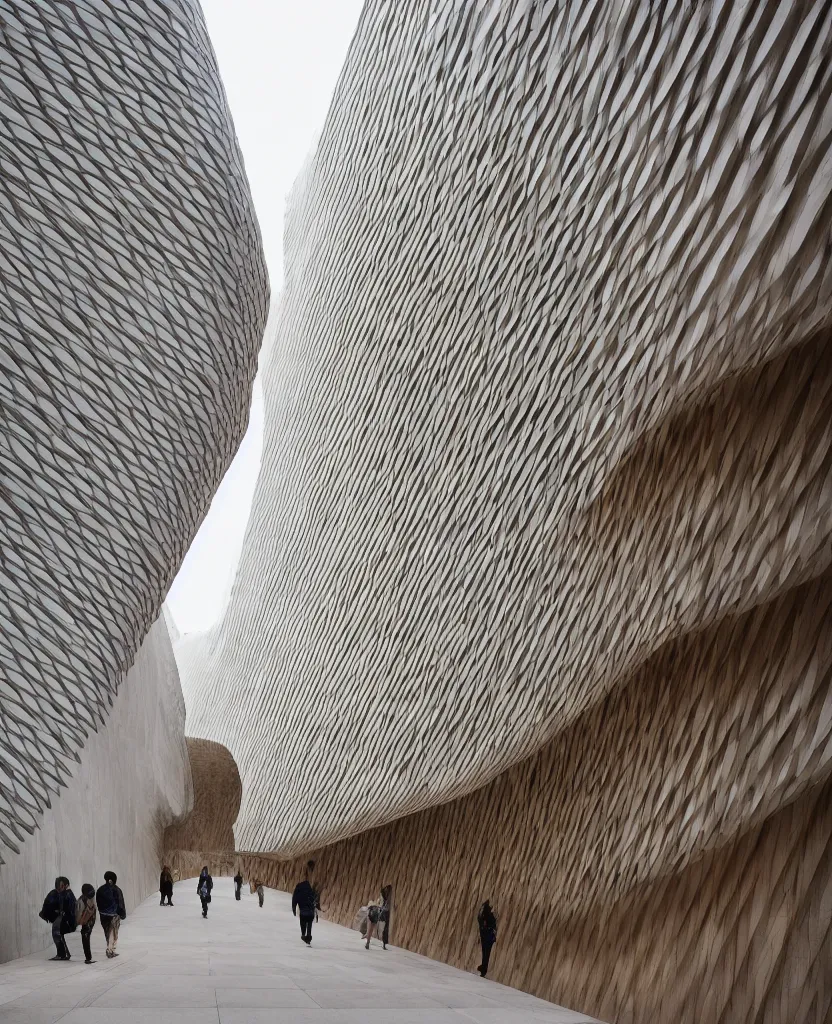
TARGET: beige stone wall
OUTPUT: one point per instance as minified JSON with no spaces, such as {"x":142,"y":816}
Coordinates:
{"x":742,"y":934}
{"x":217,"y":792}
{"x":133,"y":781}
{"x":534,"y":602}
{"x":666,"y":858}
{"x":549,"y":391}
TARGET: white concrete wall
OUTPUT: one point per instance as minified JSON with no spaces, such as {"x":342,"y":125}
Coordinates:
{"x":133,"y":781}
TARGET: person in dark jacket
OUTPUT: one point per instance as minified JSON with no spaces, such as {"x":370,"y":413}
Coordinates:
{"x":110,"y":901}
{"x":384,"y":916}
{"x":487,"y":923}
{"x":86,"y":919}
{"x":59,"y":910}
{"x":204,"y":885}
{"x":238,"y":884}
{"x":166,"y":887}
{"x":305,"y":904}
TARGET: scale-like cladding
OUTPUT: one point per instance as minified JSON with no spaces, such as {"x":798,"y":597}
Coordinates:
{"x":550,"y":390}
{"x":132,"y":307}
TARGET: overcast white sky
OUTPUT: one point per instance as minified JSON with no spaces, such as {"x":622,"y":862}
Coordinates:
{"x":280,"y":60}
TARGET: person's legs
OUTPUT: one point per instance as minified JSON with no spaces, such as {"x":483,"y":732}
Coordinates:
{"x":371,"y":926}
{"x":107,"y":925}
{"x":58,"y":939}
{"x":486,"y":955}
{"x":260,"y":895}
{"x":86,"y":932}
{"x":204,"y":903}
{"x":385,"y":934}
{"x":115,"y":923}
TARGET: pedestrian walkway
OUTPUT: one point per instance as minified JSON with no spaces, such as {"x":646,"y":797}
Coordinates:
{"x":244,"y":965}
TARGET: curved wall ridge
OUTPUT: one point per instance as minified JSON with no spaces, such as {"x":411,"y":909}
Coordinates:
{"x":133,"y":305}
{"x":550,"y":390}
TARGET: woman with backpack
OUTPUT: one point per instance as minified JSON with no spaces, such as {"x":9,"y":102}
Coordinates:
{"x":204,"y":885}
{"x":378,"y":913}
{"x":86,"y":914}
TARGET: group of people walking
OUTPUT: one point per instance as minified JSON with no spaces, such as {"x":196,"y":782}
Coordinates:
{"x":305,"y":899}
{"x":66,"y":914}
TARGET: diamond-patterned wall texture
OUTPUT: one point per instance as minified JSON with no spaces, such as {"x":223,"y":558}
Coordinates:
{"x":132,"y":306}
{"x":549,"y":392}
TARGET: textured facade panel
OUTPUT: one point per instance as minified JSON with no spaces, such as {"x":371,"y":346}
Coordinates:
{"x":743,"y":934}
{"x":134,"y":779}
{"x":217,"y":792}
{"x":549,"y":398}
{"x":132,"y":305}
{"x":660,"y":860}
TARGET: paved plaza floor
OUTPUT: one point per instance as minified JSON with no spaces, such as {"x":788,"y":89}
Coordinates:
{"x":244,"y":965}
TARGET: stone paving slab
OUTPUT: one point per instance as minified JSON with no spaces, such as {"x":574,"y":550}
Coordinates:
{"x":247,"y":965}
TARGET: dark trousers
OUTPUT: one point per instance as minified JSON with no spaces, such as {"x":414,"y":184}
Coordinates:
{"x":385,"y":931}
{"x":236,"y":892}
{"x":204,"y":901}
{"x":58,"y":939}
{"x":86,"y":932}
{"x":306,"y":926}
{"x":486,"y":941}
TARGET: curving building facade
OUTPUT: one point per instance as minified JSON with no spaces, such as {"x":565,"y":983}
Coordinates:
{"x":534,"y":599}
{"x":133,"y":297}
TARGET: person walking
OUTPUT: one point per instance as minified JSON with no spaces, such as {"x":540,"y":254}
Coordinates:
{"x":258,"y":888}
{"x":384,"y":914}
{"x":204,"y":885}
{"x":378,"y":917}
{"x":373,"y":915}
{"x":487,"y":924}
{"x":238,"y":884}
{"x":110,"y":902}
{"x":59,"y":911}
{"x":305,"y":904}
{"x":166,"y":887}
{"x":86,"y":913}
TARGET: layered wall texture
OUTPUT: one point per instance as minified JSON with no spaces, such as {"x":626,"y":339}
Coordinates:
{"x":134,"y":779}
{"x":538,"y":564}
{"x":217,"y":792}
{"x":132,"y":305}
